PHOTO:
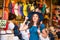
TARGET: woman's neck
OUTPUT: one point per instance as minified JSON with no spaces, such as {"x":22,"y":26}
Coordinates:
{"x":35,"y":23}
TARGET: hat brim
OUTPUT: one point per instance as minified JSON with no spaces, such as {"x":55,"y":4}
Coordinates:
{"x":40,"y":15}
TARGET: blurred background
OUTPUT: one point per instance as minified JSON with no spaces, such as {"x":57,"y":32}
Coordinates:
{"x":21,"y":8}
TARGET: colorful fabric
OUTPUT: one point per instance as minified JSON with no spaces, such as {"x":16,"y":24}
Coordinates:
{"x":40,"y":6}
{"x":16,"y":9}
{"x":5,"y":15}
{"x":13,"y":5}
{"x":25,"y":10}
{"x":43,"y":9}
{"x":6,"y":26}
{"x":21,"y":10}
{"x":32,"y":8}
{"x":10,"y":7}
{"x":28,"y":8}
{"x":46,"y":17}
{"x":58,"y":22}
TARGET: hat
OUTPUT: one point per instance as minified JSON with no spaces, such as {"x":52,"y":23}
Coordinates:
{"x":39,"y":14}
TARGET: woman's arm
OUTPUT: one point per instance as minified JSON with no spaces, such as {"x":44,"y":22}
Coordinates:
{"x":24,"y":26}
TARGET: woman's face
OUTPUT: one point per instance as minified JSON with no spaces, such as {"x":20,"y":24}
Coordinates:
{"x":35,"y":18}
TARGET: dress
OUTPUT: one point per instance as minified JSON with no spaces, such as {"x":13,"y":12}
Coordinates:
{"x":33,"y":33}
{"x":42,"y":26}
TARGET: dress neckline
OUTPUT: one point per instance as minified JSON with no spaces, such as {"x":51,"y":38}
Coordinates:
{"x":34,"y":26}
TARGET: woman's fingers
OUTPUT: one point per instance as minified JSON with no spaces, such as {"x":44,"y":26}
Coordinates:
{"x":26,"y":18}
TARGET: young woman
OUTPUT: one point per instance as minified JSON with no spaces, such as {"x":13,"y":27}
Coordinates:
{"x":34,"y":26}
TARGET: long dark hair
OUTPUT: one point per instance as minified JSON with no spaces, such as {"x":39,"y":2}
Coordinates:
{"x":31,"y":22}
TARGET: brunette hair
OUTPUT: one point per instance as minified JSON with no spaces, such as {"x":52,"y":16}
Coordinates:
{"x":31,"y":22}
{"x":12,"y":16}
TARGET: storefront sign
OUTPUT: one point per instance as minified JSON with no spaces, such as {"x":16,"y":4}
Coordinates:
{"x":2,"y":23}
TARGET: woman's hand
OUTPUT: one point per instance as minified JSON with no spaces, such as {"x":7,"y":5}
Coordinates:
{"x":26,"y":18}
{"x":38,"y":31}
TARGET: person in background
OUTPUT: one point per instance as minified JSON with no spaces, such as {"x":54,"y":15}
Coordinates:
{"x":16,"y":31}
{"x":12,"y":19}
{"x":13,"y":26}
{"x":33,"y":26}
{"x":52,"y":33}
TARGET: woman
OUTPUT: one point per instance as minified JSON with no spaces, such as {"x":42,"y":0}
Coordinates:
{"x":12,"y":26}
{"x":33,"y":26}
